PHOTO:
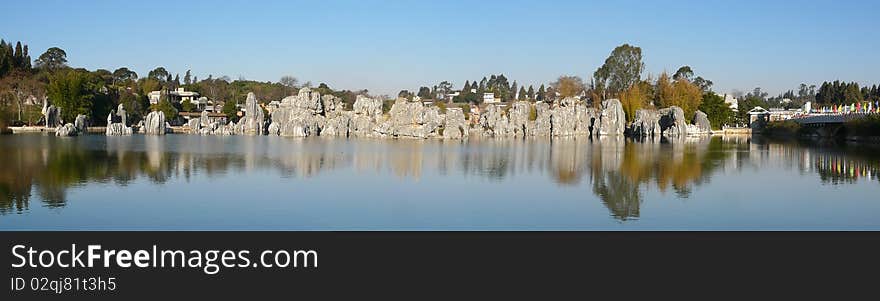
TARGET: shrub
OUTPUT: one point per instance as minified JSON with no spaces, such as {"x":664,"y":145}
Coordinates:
{"x":466,"y":108}
{"x":533,"y":113}
{"x":442,"y":106}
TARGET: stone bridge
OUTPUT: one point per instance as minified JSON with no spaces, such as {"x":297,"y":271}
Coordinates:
{"x":828,"y":125}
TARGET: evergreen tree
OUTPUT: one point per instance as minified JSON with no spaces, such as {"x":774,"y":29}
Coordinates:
{"x":531,"y":93}
{"x":522,"y":93}
{"x":542,"y":94}
{"x":187,"y":79}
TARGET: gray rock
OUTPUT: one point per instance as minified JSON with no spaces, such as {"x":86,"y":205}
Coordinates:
{"x":117,"y":123}
{"x":493,"y":123}
{"x":701,"y":124}
{"x":410,"y":119}
{"x":118,"y":129}
{"x":542,"y":125}
{"x":67,"y":130}
{"x":672,"y":122}
{"x":81,"y":123}
{"x":611,"y":120}
{"x":337,"y":126}
{"x":519,"y":114}
{"x":52,"y":115}
{"x":455,"y":126}
{"x":253,"y":121}
{"x":154,"y":123}
{"x":646,"y":123}
{"x":367,"y":106}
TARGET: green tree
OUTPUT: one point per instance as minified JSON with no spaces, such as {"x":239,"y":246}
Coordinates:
{"x":124,"y":76}
{"x":522,"y":93}
{"x":424,"y":93}
{"x":166,"y":107}
{"x":568,"y":86}
{"x":53,"y":59}
{"x":531,"y":93}
{"x":542,"y":94}
{"x":159,"y":74}
{"x":684,"y":72}
{"x":187,"y":78}
{"x":621,"y":70}
{"x":67,"y":91}
{"x":717,"y":111}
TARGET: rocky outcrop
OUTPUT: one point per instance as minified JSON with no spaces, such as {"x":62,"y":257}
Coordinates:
{"x":646,"y":123}
{"x":154,"y":123}
{"x":542,"y":125}
{"x":253,"y":122}
{"x":117,"y":123}
{"x":73,"y":129}
{"x":611,"y":120}
{"x":67,"y":130}
{"x":519,"y":113}
{"x":701,"y":125}
{"x":299,"y":115}
{"x":672,"y":122}
{"x":410,"y":119}
{"x":81,"y":123}
{"x":52,"y":115}
{"x":455,"y":125}
{"x":494,"y":123}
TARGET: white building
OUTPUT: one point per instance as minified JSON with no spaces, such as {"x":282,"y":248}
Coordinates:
{"x":731,"y":102}
{"x":489,"y":97}
{"x":154,"y":96}
{"x":176,"y":96}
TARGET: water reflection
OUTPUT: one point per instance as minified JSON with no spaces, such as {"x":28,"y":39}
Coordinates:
{"x":617,"y":171}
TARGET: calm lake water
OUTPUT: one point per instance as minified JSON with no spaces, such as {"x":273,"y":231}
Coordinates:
{"x":273,"y":183}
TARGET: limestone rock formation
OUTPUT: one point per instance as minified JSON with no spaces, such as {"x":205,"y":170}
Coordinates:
{"x":672,"y":122}
{"x":154,"y":123}
{"x":81,"y":123}
{"x":519,"y":115}
{"x":455,"y":125}
{"x":67,"y":130}
{"x":366,"y":113}
{"x":301,"y":115}
{"x":116,"y":123}
{"x":701,"y":125}
{"x":253,"y":121}
{"x":52,"y":115}
{"x":493,"y":123}
{"x":645,"y":124}
{"x":542,"y":126}
{"x":410,"y":119}
{"x":612,"y":119}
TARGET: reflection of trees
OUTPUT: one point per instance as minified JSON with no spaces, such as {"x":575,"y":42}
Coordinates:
{"x":617,"y":170}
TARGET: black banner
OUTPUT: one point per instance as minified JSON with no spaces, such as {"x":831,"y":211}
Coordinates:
{"x":416,"y":265}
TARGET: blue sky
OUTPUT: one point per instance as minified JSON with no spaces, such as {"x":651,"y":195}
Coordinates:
{"x":386,"y":46}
